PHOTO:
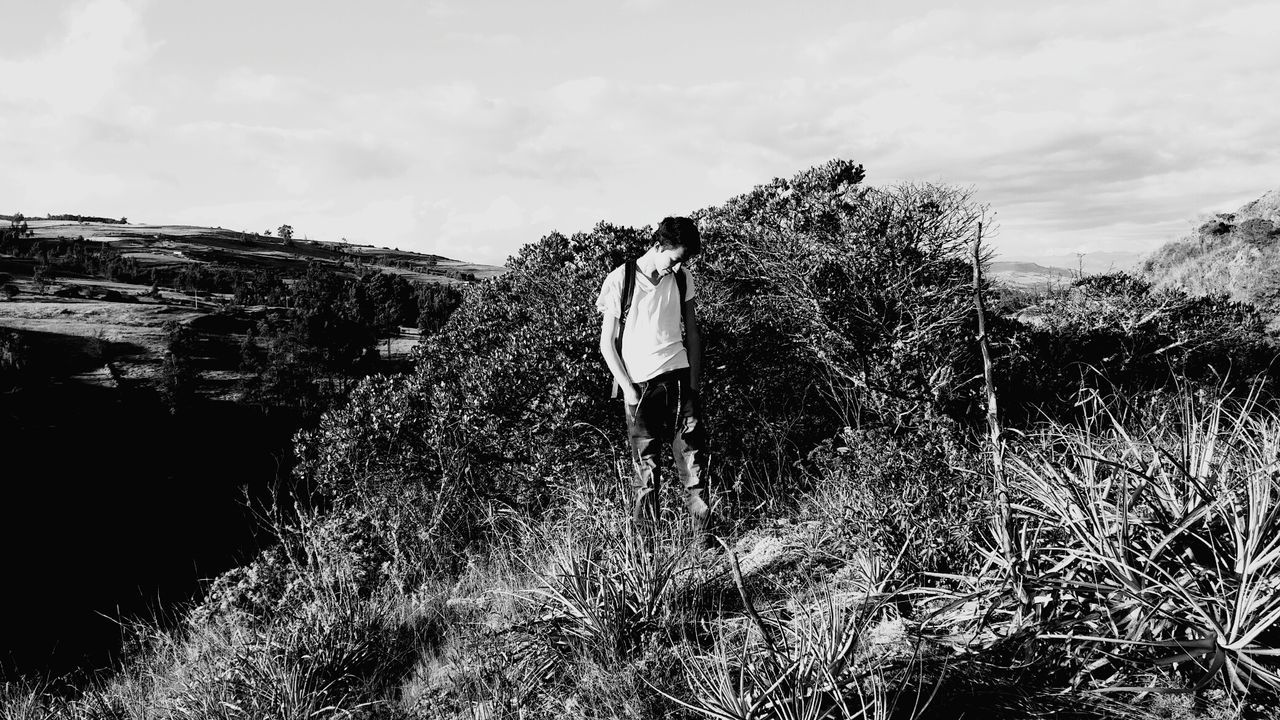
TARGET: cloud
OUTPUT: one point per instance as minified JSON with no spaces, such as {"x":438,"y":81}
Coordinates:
{"x":1080,"y":124}
{"x":491,"y":41}
{"x":441,"y":9}
{"x":102,"y":43}
{"x":244,"y":85}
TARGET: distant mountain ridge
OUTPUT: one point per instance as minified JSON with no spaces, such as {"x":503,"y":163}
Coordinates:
{"x":1024,"y":275}
{"x":1029,"y":267}
{"x":1235,"y":254}
{"x":1088,"y":263}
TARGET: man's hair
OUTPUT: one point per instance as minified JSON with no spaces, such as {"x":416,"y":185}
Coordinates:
{"x":675,"y":232}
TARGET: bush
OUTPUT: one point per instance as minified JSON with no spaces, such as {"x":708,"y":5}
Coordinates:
{"x":897,"y":497}
{"x":869,"y":290}
{"x":1141,"y":340}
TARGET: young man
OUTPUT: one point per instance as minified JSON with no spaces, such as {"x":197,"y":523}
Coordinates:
{"x":657,"y":370}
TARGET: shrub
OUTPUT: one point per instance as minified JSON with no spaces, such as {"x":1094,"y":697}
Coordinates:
{"x":1141,"y":340}
{"x":866,"y":291}
{"x":897,"y":497}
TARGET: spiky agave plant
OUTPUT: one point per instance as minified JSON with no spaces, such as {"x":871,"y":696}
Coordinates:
{"x":1164,"y":544}
{"x":599,"y":599}
{"x":807,"y":668}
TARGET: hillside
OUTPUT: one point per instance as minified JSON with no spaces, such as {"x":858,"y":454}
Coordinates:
{"x":181,"y":360}
{"x":1235,"y":254}
{"x":176,"y":245}
{"x":92,"y":299}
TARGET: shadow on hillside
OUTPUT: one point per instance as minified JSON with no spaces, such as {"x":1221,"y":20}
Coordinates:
{"x":117,"y":509}
{"x":51,"y":356}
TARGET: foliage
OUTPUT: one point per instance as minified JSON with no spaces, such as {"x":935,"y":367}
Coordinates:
{"x":1140,"y":339}
{"x":435,"y":304}
{"x":896,"y":497}
{"x":603,"y":601}
{"x":332,"y":657}
{"x":395,"y":480}
{"x":14,"y":358}
{"x":87,"y":218}
{"x":808,"y":668}
{"x":863,"y":290}
{"x":1160,"y":548}
{"x":178,"y":376}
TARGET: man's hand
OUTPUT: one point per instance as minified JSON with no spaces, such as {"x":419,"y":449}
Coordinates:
{"x":631,"y":394}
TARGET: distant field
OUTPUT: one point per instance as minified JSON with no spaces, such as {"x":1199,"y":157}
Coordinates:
{"x":100,"y":332}
{"x":115,"y":334}
{"x":167,"y":245}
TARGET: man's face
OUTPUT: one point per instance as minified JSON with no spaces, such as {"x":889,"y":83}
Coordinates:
{"x":668,"y":260}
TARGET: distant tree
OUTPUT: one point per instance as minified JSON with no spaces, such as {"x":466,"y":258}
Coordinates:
{"x":266,"y":233}
{"x":18,"y":227}
{"x":249,"y":352}
{"x":41,"y":274}
{"x":286,"y":234}
{"x":436,"y":302}
{"x":14,"y":358}
{"x":124,"y":221}
{"x":178,"y":375}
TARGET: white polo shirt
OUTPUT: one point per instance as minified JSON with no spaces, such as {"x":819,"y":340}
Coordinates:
{"x":652,"y":343}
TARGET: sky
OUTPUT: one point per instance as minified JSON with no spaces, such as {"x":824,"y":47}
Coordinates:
{"x":469,"y":128}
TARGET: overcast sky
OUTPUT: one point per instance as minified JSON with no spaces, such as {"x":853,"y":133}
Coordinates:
{"x":470,"y":128}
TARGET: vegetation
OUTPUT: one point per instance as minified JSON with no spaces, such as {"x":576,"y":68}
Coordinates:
{"x":457,"y":544}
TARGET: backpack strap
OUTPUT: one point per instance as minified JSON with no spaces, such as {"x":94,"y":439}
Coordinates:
{"x":628,"y":290}
{"x":683,"y":283}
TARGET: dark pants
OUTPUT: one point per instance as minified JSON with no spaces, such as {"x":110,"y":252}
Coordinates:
{"x":669,"y":410}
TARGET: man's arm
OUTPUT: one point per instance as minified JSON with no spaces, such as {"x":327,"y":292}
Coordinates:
{"x":693,"y":343}
{"x":609,"y":349}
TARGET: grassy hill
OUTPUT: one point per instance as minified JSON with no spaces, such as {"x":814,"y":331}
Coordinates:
{"x":103,"y":321}
{"x":1235,"y":254}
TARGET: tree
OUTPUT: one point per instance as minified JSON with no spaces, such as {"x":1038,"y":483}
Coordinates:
{"x":41,"y":275}
{"x":865,"y":291}
{"x":14,"y":358}
{"x":178,"y":376}
{"x":286,"y":234}
{"x":10,"y":238}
